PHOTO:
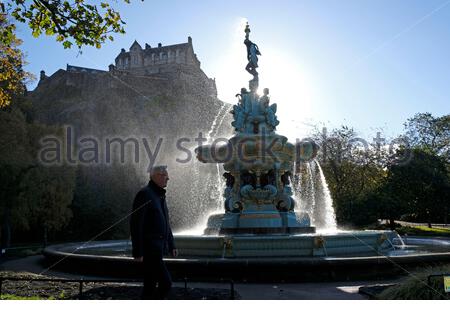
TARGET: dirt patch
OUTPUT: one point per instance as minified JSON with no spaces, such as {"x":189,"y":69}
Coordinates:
{"x":94,"y":291}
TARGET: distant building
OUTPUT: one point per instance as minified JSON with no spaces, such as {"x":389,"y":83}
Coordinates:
{"x":150,"y":60}
{"x":176,"y":62}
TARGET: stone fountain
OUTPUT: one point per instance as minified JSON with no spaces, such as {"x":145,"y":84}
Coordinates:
{"x":259,"y":164}
{"x":260,"y":218}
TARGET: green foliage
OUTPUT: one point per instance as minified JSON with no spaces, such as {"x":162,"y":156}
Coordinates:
{"x":12,"y":75}
{"x":16,"y":297}
{"x":419,"y":188}
{"x":369,"y":183}
{"x":31,"y":196}
{"x":96,"y":208}
{"x":79,"y":22}
{"x":15,"y":162}
{"x":8,"y":296}
{"x":45,"y":196}
{"x":430,"y":133}
{"x":353,"y":172}
{"x":416,"y":286}
{"x":24,"y":252}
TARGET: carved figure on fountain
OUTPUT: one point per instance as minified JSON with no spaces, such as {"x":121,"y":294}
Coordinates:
{"x":252,"y":114}
{"x":248,"y":184}
{"x":228,"y":192}
{"x":268,"y":182}
{"x":285,"y":201}
{"x":269,"y":111}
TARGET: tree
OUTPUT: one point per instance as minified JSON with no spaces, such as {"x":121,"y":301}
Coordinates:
{"x":353,"y":169}
{"x":45,"y":198}
{"x":32,"y":196}
{"x":430,"y":133}
{"x":421,"y":187}
{"x":386,"y":202}
{"x":15,"y":162}
{"x":77,"y":22}
{"x":96,"y":208}
{"x":12,"y":75}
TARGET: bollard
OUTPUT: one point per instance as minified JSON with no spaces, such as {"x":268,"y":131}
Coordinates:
{"x":232,"y":290}
{"x":81,"y":290}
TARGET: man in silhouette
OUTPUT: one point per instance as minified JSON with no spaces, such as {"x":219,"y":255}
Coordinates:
{"x":151,"y":235}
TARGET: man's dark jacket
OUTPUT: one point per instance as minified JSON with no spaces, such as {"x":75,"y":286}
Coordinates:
{"x":150,"y":227}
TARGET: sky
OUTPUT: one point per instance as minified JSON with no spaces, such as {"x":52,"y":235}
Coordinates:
{"x":362,"y":63}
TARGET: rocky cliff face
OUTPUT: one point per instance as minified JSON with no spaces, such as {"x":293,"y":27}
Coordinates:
{"x":114,"y":104}
{"x":119,"y":103}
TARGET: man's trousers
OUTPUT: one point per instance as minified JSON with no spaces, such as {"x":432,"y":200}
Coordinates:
{"x":157,"y":280}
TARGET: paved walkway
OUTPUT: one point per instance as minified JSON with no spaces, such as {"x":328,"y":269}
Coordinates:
{"x":294,"y":291}
{"x":248,"y":291}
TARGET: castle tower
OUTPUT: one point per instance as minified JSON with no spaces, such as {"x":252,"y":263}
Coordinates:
{"x":136,"y":55}
{"x":175,"y":61}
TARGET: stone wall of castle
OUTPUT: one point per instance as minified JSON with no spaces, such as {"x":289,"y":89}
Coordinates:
{"x":149,"y":60}
{"x":177,"y":64}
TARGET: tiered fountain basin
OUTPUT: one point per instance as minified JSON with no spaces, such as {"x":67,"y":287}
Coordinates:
{"x":258,"y":223}
{"x":257,"y":199}
{"x":250,"y":150}
{"x":304,"y":257}
{"x":287,"y":245}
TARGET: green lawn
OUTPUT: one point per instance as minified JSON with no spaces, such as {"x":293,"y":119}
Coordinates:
{"x":16,"y":297}
{"x":424,"y":231}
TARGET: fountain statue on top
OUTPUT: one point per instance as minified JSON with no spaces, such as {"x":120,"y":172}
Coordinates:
{"x":258,"y":164}
{"x":252,"y":57}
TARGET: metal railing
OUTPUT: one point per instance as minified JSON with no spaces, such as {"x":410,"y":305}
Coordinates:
{"x":80,"y":282}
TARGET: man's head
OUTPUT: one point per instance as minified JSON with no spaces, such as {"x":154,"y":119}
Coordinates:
{"x":159,"y":175}
{"x":266,"y":91}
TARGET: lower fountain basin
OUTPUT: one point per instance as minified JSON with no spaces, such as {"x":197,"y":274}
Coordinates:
{"x":306,"y":257}
{"x":286,"y":245}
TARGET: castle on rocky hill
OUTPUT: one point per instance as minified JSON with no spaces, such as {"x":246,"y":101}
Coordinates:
{"x":157,"y":60}
{"x":147,"y":92}
{"x":172,"y":63}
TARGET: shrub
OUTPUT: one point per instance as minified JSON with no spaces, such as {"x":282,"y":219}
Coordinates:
{"x":416,"y":286}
